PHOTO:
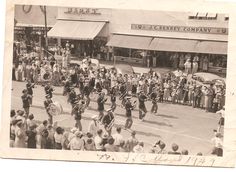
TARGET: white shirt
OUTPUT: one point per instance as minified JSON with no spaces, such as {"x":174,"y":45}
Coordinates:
{"x":98,"y":141}
{"x":93,"y":128}
{"x":118,"y":138}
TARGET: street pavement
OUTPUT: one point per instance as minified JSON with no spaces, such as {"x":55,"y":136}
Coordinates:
{"x":190,"y":128}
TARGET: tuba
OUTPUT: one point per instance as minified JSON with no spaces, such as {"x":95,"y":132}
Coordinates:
{"x":55,"y":108}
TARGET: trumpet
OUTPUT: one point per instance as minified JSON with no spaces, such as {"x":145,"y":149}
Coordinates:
{"x":123,"y":95}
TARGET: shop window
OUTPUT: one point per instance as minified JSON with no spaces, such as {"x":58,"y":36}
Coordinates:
{"x":218,"y":61}
{"x":203,"y":16}
{"x":138,"y":54}
{"x":124,"y":52}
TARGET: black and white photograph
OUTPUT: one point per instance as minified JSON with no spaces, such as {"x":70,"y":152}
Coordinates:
{"x":118,"y":80}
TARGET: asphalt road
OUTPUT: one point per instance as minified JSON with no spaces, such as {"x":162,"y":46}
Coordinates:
{"x":190,"y":128}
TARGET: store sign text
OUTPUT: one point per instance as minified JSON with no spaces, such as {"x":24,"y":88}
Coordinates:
{"x":188,"y":29}
{"x":83,"y":11}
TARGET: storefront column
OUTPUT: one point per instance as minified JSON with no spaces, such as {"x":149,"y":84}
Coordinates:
{"x":130,"y":54}
{"x":59,"y":41}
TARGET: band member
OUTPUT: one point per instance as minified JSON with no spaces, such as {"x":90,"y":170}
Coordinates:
{"x":108,"y":121}
{"x":154,"y":99}
{"x":128,"y":107}
{"x":29,"y":87}
{"x":72,"y":98}
{"x":86,"y":91}
{"x":47,"y":104}
{"x":48,"y":90}
{"x":66,"y":89}
{"x":113,"y":99}
{"x":77,"y":112}
{"x":142,"y":108}
{"x":100,"y":101}
{"x":26,"y":99}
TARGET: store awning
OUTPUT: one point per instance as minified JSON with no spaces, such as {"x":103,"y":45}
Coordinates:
{"x":178,"y":45}
{"x":212,"y":47}
{"x":127,"y":41}
{"x":80,"y":30}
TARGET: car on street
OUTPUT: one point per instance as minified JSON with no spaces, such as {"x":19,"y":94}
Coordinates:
{"x":123,"y":69}
{"x":203,"y":78}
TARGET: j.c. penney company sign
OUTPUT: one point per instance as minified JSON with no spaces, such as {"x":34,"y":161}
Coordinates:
{"x":188,"y":29}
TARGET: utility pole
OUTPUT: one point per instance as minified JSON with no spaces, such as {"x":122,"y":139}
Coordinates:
{"x":45,"y":30}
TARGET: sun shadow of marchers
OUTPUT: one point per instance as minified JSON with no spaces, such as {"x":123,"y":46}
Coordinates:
{"x":145,"y":121}
{"x":167,"y":116}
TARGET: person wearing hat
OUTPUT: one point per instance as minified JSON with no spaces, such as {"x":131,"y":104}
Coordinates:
{"x":72,"y":98}
{"x":26,"y":98}
{"x":66,"y":87}
{"x":20,"y":135}
{"x":93,"y":125}
{"x":48,"y":90}
{"x":77,"y":112}
{"x":47,"y":105}
{"x":217,"y":141}
{"x":197,"y":94}
{"x":142,"y":108}
{"x":29,"y":87}
{"x":108,"y":121}
{"x":31,"y":136}
{"x":154,"y":99}
{"x":222,"y":119}
{"x":128,"y":107}
{"x":175,"y":148}
{"x":100,"y":102}
{"x":113,"y":98}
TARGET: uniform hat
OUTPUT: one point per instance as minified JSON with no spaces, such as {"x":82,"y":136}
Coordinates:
{"x":78,"y":133}
{"x":20,"y":112}
{"x":74,"y":129}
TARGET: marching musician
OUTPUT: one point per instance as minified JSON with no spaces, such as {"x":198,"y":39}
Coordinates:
{"x":48,"y":90}
{"x":128,"y":107}
{"x":108,"y":121}
{"x":154,"y":99}
{"x":66,"y":88}
{"x":142,"y":108}
{"x":26,"y":99}
{"x":113,"y":99}
{"x":47,"y":104}
{"x":29,"y":87}
{"x":77,"y":112}
{"x":86,"y":91}
{"x":100,"y":101}
{"x":72,"y":97}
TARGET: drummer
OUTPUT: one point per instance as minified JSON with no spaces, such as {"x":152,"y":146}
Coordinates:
{"x":47,"y":104}
{"x":108,"y":121}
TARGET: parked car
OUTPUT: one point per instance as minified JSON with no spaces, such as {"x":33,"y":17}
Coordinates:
{"x":94,"y":63}
{"x":202,"y":78}
{"x":123,"y":69}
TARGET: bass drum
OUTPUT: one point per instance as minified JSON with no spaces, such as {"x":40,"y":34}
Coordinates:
{"x":46,"y":76}
{"x":55,"y":108}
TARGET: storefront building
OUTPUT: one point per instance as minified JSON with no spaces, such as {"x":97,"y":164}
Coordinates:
{"x":147,"y":38}
{"x":30,"y":24}
{"x":86,"y":28}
